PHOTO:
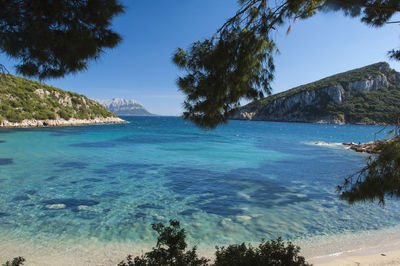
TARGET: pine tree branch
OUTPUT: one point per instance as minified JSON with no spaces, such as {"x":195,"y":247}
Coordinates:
{"x":262,"y":4}
{"x":238,"y":14}
{"x":377,"y":7}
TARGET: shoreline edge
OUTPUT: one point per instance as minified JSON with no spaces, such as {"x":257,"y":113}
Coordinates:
{"x":61,"y":122}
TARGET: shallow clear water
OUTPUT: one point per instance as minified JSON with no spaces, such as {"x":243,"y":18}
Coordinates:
{"x":241,"y":182}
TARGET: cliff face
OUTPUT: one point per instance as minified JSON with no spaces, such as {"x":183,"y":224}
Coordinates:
{"x":125,"y":107}
{"x":314,"y":102}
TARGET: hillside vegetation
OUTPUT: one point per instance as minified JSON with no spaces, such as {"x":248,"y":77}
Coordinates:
{"x":355,"y":102}
{"x":381,"y":106}
{"x":22,"y":99}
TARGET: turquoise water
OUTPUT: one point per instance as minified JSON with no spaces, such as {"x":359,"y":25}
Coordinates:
{"x":241,"y":182}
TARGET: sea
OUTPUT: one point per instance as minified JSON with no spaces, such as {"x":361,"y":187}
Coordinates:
{"x":106,"y":185}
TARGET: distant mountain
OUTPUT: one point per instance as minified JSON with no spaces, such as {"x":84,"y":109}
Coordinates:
{"x":123,"y":107}
{"x":367,"y":95}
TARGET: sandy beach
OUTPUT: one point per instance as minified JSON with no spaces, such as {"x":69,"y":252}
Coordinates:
{"x":112,"y":254}
{"x":381,"y":247}
{"x":381,"y":258}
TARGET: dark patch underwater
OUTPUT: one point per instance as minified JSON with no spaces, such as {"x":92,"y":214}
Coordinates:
{"x":6,"y":161}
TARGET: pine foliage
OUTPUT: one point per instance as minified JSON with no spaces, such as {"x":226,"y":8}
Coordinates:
{"x":379,"y":179}
{"x":237,"y":62}
{"x":54,"y":38}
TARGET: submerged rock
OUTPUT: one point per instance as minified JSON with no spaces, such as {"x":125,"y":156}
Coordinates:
{"x":56,"y":206}
{"x":243,"y":218}
{"x":68,"y":203}
{"x":83,"y":207}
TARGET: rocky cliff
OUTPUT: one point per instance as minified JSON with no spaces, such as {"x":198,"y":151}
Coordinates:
{"x":124,"y":107}
{"x":27,"y":103}
{"x":366,"y":95}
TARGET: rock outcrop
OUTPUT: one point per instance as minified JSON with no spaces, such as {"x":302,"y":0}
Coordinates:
{"x":373,"y":147}
{"x":310,"y":102}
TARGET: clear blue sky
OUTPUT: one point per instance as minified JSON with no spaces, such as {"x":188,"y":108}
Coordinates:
{"x":141,"y":67}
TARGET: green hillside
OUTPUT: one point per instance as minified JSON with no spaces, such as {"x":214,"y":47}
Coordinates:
{"x":21,"y":99}
{"x":380,"y":106}
{"x":368,"y":107}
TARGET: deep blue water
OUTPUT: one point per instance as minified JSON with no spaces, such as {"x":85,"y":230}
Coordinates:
{"x":241,"y":182}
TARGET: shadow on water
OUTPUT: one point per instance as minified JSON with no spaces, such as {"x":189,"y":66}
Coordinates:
{"x":150,"y":206}
{"x":214,"y":192}
{"x":87,"y":180}
{"x":52,"y":178}
{"x":224,"y":193}
{"x":4,"y":214}
{"x":147,"y":139}
{"x":5,"y":161}
{"x":72,"y":165}
{"x":21,"y":198}
{"x":136,"y":168}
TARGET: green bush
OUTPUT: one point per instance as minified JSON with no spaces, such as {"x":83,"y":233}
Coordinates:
{"x":15,"y":262}
{"x":170,"y":249}
{"x":64,"y":114}
{"x":14,"y":115}
{"x":273,"y":252}
{"x":75,"y":100}
{"x":82,"y":114}
{"x":44,"y":114}
{"x":171,"y":245}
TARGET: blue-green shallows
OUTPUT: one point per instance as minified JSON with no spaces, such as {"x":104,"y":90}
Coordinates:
{"x":241,"y":182}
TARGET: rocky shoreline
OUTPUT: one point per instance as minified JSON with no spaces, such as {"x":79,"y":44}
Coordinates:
{"x":61,"y":122}
{"x":368,"y":147}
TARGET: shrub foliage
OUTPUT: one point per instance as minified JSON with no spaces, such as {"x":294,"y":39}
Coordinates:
{"x":171,"y":245}
{"x":19,"y":261}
